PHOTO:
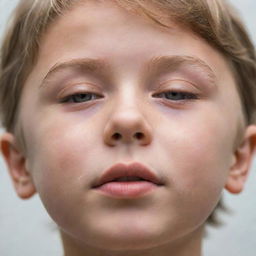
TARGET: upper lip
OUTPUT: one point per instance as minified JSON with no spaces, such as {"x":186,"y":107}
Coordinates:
{"x":127,"y":170}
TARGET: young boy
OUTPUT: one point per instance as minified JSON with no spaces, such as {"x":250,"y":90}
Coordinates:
{"x":129,"y":118}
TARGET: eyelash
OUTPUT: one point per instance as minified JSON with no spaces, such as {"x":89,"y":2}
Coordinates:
{"x":72,"y":99}
{"x":184,"y":96}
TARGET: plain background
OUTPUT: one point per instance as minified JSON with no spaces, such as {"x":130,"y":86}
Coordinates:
{"x":26,"y":229}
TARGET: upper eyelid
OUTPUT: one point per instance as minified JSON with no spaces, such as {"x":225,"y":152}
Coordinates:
{"x":173,"y":80}
{"x":92,"y":88}
{"x":79,"y":88}
{"x":87,"y":85}
{"x":169,"y":86}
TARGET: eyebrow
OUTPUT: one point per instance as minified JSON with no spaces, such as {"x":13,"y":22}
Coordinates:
{"x":175,"y":62}
{"x":85,"y":64}
{"x":159,"y":64}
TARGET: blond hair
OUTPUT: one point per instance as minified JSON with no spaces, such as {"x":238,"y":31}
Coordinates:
{"x":214,"y":20}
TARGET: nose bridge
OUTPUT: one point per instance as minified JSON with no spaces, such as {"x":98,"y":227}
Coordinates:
{"x":127,"y":121}
{"x":128,"y":103}
{"x":127,"y":115}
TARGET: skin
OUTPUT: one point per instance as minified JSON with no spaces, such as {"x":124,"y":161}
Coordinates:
{"x":189,"y":143}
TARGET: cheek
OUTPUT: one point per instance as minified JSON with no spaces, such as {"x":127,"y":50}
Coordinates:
{"x":60,"y":158}
{"x":198,"y":151}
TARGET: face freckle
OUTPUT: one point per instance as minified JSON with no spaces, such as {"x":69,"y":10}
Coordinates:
{"x":188,"y":142}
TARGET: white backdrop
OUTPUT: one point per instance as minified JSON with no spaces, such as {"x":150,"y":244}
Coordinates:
{"x":26,"y":229}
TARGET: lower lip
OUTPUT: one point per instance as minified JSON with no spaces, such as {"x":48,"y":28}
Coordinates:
{"x":127,"y":189}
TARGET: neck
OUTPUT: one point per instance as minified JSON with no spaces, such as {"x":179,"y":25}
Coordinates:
{"x":190,"y":245}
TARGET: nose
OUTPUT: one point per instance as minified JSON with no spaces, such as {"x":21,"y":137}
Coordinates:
{"x":126,"y":126}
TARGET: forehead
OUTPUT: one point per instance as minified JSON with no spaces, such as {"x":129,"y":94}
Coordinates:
{"x":122,"y":33}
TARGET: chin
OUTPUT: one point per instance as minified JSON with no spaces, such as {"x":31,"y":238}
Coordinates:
{"x":127,"y":244}
{"x":130,"y":239}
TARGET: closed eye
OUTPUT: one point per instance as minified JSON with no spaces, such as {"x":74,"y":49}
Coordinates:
{"x":80,"y":98}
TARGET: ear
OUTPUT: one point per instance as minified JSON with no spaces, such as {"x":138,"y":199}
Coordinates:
{"x":17,"y":166}
{"x":242,"y":160}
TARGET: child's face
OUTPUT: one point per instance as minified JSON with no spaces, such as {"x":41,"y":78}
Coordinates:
{"x":187,"y":142}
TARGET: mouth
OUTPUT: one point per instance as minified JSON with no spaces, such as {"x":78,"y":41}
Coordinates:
{"x":127,"y":181}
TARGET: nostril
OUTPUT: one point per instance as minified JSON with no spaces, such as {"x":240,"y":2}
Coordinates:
{"x":116,"y":136}
{"x":139,"y":135}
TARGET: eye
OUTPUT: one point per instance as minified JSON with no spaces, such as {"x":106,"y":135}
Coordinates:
{"x":176,"y":96}
{"x":80,"y":97}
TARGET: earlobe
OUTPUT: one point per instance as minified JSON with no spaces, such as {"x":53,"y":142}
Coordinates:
{"x":241,"y":163}
{"x":17,"y":166}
